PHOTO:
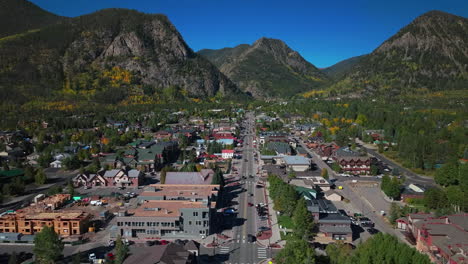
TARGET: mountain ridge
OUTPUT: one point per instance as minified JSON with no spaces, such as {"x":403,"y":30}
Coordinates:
{"x":430,"y":53}
{"x":86,"y":54}
{"x":267,"y":68}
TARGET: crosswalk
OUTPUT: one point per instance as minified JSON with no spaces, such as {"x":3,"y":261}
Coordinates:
{"x":262,"y":253}
{"x":224,"y":250}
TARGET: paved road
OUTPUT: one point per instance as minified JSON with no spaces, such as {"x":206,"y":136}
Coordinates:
{"x":317,"y":160}
{"x":241,"y":251}
{"x":411,"y":177}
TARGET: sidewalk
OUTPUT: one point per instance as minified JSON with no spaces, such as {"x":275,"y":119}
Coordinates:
{"x":273,"y":222}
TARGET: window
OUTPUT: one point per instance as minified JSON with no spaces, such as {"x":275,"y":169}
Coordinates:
{"x":195,"y":213}
{"x":190,"y":222}
{"x":197,"y":222}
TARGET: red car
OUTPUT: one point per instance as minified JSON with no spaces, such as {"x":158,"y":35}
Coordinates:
{"x":164,"y":242}
{"x":250,"y":204}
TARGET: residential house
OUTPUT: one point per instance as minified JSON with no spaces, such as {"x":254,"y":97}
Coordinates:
{"x":124,"y":177}
{"x":332,"y":196}
{"x":412,"y":191}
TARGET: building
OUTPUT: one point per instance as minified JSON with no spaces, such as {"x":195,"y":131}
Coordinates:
{"x":317,"y":182}
{"x":167,"y":219}
{"x":333,"y":196}
{"x":352,"y":162}
{"x":296,"y":163}
{"x":125,"y":177}
{"x":273,"y":136}
{"x":179,"y":192}
{"x":205,"y":176}
{"x":412,"y":191}
{"x":280,"y":148}
{"x":444,"y":239}
{"x":165,"y":254}
{"x":227,"y":153}
{"x":334,"y":227}
{"x":65,"y":223}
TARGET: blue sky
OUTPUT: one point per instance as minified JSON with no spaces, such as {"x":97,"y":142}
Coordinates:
{"x":323,"y":32}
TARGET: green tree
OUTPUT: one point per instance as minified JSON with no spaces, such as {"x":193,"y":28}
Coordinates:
{"x":338,"y":253}
{"x":70,"y":188}
{"x":302,"y":219}
{"x":395,"y":213}
{"x":447,"y":174}
{"x":13,"y":258}
{"x":291,"y":174}
{"x":324,"y":173}
{"x":47,"y":246}
{"x":40,"y":177}
{"x":76,"y":259}
{"x":121,"y":251}
{"x":296,"y":251}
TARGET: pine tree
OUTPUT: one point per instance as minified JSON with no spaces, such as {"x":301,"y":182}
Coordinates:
{"x":121,"y":251}
{"x":47,"y":246}
{"x":302,"y":219}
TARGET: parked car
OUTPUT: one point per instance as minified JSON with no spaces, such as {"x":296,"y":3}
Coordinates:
{"x":372,"y":231}
{"x":263,"y":228}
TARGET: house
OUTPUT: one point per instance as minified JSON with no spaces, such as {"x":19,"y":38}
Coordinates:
{"x":56,"y":164}
{"x":412,"y":191}
{"x":227,"y":153}
{"x":205,"y":176}
{"x":326,"y":150}
{"x":165,"y":254}
{"x":124,"y":177}
{"x":163,"y":135}
{"x":444,"y":239}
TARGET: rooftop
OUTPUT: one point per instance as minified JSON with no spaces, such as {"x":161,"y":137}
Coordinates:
{"x":296,"y":160}
{"x":203,"y":177}
{"x":165,"y":208}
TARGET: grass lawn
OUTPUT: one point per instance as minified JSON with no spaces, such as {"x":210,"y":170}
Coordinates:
{"x":285,"y":221}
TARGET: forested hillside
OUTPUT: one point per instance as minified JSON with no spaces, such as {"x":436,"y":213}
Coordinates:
{"x":19,"y":16}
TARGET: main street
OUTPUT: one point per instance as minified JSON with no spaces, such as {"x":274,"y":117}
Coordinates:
{"x":241,"y":250}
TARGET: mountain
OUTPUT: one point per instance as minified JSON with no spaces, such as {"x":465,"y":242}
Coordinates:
{"x":267,"y":68}
{"x":431,"y":53}
{"x":107,"y":56}
{"x":343,"y":67}
{"x":18,"y":16}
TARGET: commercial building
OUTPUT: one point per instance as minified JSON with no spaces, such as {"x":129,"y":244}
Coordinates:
{"x":444,"y":239}
{"x":167,"y":219}
{"x":180,"y":192}
{"x":205,"y":176}
{"x":332,"y":225}
{"x":352,"y":162}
